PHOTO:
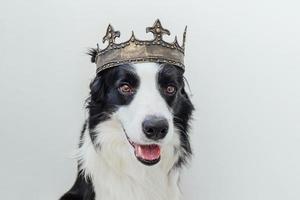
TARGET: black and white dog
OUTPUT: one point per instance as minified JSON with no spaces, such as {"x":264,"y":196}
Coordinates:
{"x":135,"y":139}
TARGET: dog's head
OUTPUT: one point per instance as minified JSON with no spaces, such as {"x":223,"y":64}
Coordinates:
{"x":141,"y":112}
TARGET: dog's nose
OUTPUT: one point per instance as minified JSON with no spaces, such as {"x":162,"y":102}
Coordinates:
{"x":155,"y":127}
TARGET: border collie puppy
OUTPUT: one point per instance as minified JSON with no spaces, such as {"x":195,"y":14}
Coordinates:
{"x":135,"y":139}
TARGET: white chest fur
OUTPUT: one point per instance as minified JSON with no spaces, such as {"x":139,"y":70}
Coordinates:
{"x":126,"y":178}
{"x":144,"y":186}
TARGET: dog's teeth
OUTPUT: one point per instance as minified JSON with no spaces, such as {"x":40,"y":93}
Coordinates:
{"x":139,"y":150}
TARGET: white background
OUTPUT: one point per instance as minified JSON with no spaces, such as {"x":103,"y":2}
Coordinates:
{"x":243,"y":65}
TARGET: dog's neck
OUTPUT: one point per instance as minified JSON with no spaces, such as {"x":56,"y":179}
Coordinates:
{"x":116,"y":178}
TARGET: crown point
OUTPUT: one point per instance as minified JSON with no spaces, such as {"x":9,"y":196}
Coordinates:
{"x":132,"y":38}
{"x":98,"y":49}
{"x":111,"y":35}
{"x":184,"y":37}
{"x":176,"y":42}
{"x":157,"y":30}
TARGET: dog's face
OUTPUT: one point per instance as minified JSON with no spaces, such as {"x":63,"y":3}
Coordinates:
{"x":140,"y":111}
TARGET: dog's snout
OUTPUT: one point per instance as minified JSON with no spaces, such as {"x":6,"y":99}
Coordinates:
{"x":155,"y":127}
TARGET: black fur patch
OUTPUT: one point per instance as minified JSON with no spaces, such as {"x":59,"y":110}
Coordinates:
{"x":180,"y":104}
{"x":81,"y":190}
{"x":105,"y":96}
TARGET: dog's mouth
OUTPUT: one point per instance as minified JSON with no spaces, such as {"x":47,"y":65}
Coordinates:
{"x":148,"y":154}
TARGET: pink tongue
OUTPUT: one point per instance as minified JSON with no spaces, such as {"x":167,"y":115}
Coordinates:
{"x":147,"y":152}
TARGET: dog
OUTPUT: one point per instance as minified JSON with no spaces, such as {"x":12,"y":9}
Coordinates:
{"x":135,"y":139}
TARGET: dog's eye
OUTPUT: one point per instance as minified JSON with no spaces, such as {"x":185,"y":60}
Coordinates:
{"x":170,"y":90}
{"x":126,"y":89}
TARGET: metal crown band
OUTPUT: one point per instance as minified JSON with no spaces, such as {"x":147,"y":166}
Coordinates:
{"x":135,"y":50}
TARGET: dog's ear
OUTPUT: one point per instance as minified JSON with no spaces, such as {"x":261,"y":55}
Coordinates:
{"x":92,"y":52}
{"x":184,"y":94}
{"x":97,"y":85}
{"x":185,"y":84}
{"x":97,"y":89}
{"x":186,"y":103}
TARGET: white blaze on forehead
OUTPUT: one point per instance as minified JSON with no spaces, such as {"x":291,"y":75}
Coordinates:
{"x":147,"y":101}
{"x":148,"y":94}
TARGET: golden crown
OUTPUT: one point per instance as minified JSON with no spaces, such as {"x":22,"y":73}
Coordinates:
{"x":135,"y":50}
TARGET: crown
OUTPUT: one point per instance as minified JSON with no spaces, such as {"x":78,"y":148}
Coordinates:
{"x":136,"y":51}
